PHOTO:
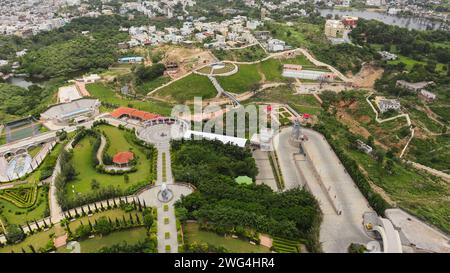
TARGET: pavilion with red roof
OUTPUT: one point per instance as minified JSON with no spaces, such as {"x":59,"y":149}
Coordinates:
{"x":122,"y":159}
{"x":133,"y":113}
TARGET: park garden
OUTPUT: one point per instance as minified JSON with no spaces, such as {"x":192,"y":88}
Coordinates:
{"x":85,"y":180}
{"x":105,"y":227}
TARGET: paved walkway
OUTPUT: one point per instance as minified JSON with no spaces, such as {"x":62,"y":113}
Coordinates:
{"x":265,"y":172}
{"x":160,"y":136}
{"x":342,"y":194}
{"x":336,"y":231}
{"x":319,"y":63}
{"x":418,"y":234}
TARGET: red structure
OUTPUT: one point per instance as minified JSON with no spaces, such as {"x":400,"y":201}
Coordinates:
{"x":123,"y":158}
{"x":133,"y":113}
{"x":350,"y":21}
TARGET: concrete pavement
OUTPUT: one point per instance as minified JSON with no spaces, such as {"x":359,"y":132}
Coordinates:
{"x":338,"y":188}
{"x":322,"y":165}
{"x":265,"y":173}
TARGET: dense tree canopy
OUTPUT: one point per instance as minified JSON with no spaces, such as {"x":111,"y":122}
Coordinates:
{"x":20,"y":101}
{"x":225,"y":206}
{"x":413,"y":43}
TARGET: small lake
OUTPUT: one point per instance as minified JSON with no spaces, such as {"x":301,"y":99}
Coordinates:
{"x":20,"y":81}
{"x":406,"y":22}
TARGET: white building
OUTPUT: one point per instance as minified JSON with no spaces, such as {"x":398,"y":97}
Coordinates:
{"x":66,"y":113}
{"x":363,"y":146}
{"x":334,"y":28}
{"x":275,"y":45}
{"x":388,"y":104}
{"x":375,"y":3}
{"x":387,"y":56}
{"x":297,"y":71}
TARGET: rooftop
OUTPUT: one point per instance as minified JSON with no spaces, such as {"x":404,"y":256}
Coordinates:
{"x":123,"y":157}
{"x":133,"y":113}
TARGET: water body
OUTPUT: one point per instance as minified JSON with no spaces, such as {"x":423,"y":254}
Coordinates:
{"x":20,"y":81}
{"x":24,"y":82}
{"x":406,"y":22}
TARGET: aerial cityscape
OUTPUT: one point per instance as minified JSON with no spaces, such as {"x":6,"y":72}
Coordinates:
{"x":217,"y":126}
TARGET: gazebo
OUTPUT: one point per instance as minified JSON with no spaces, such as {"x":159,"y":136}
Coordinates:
{"x":122,"y":159}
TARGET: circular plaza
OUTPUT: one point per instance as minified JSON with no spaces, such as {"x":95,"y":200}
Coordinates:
{"x":161,"y":133}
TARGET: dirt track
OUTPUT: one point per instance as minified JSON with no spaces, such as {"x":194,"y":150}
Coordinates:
{"x":367,"y":76}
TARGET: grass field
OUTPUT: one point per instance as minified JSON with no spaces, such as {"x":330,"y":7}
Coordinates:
{"x":189,"y":87}
{"x":34,"y":151}
{"x":146,"y":87}
{"x":423,"y":120}
{"x":443,"y":112}
{"x":106,"y":94}
{"x":82,"y":156}
{"x":11,"y":214}
{"x":248,"y":54}
{"x":37,"y":240}
{"x":117,"y":141}
{"x":433,"y":152}
{"x":301,"y":103}
{"x":242,"y":81}
{"x":299,"y":35}
{"x":131,"y":236}
{"x":112,"y":213}
{"x":41,"y":238}
{"x":409,"y":62}
{"x":192,"y":234}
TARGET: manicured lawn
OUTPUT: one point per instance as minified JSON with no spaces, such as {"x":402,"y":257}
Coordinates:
{"x":112,"y":214}
{"x":106,"y":94}
{"x":272,"y":69}
{"x":192,"y":234}
{"x":49,"y":160}
{"x":117,"y":141}
{"x":131,"y":236}
{"x":34,"y":151}
{"x":189,"y":87}
{"x":37,"y":240}
{"x":14,"y":215}
{"x":242,"y":81}
{"x":228,"y":68}
{"x":82,"y":157}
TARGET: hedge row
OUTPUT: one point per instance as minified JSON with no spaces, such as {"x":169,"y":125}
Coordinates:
{"x":20,"y":197}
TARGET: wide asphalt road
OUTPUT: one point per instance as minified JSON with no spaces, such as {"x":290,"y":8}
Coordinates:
{"x":336,"y":231}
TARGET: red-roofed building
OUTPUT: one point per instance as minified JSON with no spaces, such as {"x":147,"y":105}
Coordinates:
{"x":122,"y":159}
{"x":133,"y":113}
